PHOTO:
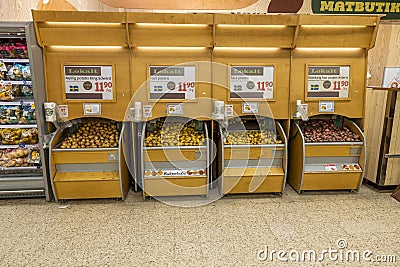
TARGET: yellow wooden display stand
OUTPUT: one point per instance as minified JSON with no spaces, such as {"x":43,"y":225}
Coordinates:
{"x":254,"y":40}
{"x":76,"y":38}
{"x":330,"y":41}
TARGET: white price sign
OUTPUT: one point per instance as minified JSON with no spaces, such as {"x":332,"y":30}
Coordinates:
{"x":251,"y":82}
{"x":88,"y":83}
{"x":328,"y":81}
{"x":391,"y":77}
{"x":172,"y":82}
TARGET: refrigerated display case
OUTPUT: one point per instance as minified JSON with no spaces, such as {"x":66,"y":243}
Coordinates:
{"x":22,"y":160}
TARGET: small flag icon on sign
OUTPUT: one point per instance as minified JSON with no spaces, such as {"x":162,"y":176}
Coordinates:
{"x":74,"y":88}
{"x":314,"y":87}
{"x":237,"y":88}
{"x":157,"y":88}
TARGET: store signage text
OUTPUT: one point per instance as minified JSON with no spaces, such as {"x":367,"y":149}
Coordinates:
{"x":328,"y":82}
{"x":88,"y":83}
{"x":172,"y":82}
{"x":251,"y":82}
{"x":389,"y":7}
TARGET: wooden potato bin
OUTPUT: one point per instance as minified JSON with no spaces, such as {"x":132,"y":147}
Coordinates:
{"x":327,"y":99}
{"x":171,"y":70}
{"x":252,"y":156}
{"x":252,"y":80}
{"x":175,"y":157}
{"x":78,"y":172}
{"x":87,"y":73}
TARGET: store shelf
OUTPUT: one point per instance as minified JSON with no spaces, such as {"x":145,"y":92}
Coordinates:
{"x":15,"y":82}
{"x":14,"y":146}
{"x":16,"y":60}
{"x":8,"y":126}
{"x":15,"y":103}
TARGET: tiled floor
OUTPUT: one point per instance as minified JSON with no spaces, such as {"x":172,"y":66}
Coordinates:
{"x":228,"y":232}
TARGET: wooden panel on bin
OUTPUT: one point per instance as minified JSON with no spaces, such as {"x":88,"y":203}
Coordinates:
{"x":252,"y":171}
{"x":331,"y":181}
{"x":66,"y":157}
{"x":280,"y":58}
{"x":331,"y":151}
{"x":254,"y":37}
{"x":356,"y":59}
{"x":175,"y":186}
{"x":334,"y":37}
{"x":78,"y":16}
{"x":296,"y":158}
{"x":78,"y":185}
{"x":55,"y":57}
{"x":363,"y":20}
{"x":170,"y":36}
{"x":199,"y":108}
{"x":170,"y":18}
{"x":255,"y":19}
{"x":171,"y":155}
{"x":124,"y":173}
{"x":252,"y":153}
{"x":243,"y":184}
{"x":83,"y":35}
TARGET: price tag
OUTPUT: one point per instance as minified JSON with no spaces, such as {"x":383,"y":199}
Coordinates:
{"x":330,"y":167}
{"x":91,"y":109}
{"x":328,"y":81}
{"x":88,"y":82}
{"x":250,"y":107}
{"x":174,"y":109}
{"x":228,"y":110}
{"x":172,"y":82}
{"x":63,"y":111}
{"x":147,"y":111}
{"x":326,"y":106}
{"x":247,"y":82}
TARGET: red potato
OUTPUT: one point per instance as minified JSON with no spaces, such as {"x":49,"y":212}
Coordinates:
{"x":325,"y":131}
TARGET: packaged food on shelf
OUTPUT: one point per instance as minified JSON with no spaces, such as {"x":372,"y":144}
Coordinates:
{"x":13,"y":48}
{"x":22,"y":113}
{"x":29,"y":136}
{"x":326,"y":130}
{"x":19,"y":72}
{"x":175,"y":134}
{"x":15,"y":136}
{"x":18,"y":157}
{"x":92,"y":135}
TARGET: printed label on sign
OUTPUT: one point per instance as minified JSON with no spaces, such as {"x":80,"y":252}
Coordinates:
{"x":228,"y":110}
{"x":391,"y":77}
{"x":63,"y":111}
{"x":174,"y":109}
{"x":328,"y":81}
{"x":250,"y":107}
{"x":330,"y":167}
{"x":247,"y":82}
{"x":326,"y":106}
{"x":92,"y":109}
{"x":147,"y":111}
{"x":172,"y":82}
{"x":88,"y":82}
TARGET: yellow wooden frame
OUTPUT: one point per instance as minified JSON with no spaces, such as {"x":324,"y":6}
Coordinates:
{"x":149,"y":100}
{"x":250,"y":99}
{"x":65,"y":100}
{"x":307,"y":65}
